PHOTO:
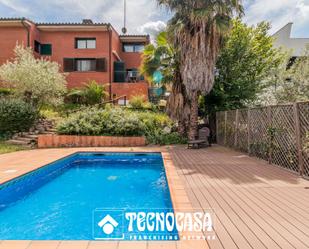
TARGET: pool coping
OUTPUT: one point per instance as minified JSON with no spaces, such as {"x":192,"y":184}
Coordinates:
{"x":177,"y":190}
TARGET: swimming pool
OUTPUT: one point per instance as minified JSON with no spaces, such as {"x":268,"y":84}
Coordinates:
{"x":57,"y":201}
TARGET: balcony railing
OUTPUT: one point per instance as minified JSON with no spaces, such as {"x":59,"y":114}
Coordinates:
{"x":128,"y":76}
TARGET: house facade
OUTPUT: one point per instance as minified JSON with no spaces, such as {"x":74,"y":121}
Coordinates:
{"x":294,"y":45}
{"x":85,"y":51}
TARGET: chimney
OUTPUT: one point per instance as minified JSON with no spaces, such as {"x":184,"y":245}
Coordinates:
{"x":87,"y":21}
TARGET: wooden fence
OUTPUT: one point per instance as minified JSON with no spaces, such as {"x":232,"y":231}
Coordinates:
{"x":278,"y":134}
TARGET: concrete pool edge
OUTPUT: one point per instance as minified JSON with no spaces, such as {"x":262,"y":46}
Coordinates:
{"x":39,"y":158}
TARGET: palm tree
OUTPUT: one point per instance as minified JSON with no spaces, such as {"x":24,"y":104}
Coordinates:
{"x":197,"y":30}
{"x":163,"y":58}
{"x":91,"y":94}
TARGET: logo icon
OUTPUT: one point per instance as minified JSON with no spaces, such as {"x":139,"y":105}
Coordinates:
{"x":108,"y":224}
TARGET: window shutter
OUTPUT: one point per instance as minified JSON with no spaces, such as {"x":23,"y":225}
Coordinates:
{"x":68,"y":65}
{"x":101,"y":65}
{"x":46,"y":49}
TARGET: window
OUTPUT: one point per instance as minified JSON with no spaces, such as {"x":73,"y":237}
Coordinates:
{"x":133,"y":47}
{"x":37,"y":47}
{"x":139,"y":48}
{"x":84,"y":65}
{"x":42,"y":49}
{"x":85,"y":43}
{"x":46,"y":49}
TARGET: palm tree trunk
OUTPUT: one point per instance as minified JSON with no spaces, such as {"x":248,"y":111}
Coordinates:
{"x":182,"y":129}
{"x":193,"y":125}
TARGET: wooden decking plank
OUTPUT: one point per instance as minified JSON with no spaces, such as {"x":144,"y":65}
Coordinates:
{"x":275,"y":224}
{"x":253,"y":224}
{"x":290,"y":225}
{"x":222,"y":232}
{"x":258,"y":229}
{"x":233,"y":229}
{"x":270,"y":194}
{"x":285,"y":201}
{"x":304,"y":212}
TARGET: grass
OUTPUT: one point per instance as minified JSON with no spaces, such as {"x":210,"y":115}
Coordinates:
{"x":7,"y":148}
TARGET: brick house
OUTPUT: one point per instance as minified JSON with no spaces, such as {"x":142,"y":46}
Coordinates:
{"x":86,"y":51}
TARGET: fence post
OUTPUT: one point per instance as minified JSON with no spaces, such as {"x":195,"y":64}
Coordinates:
{"x":248,"y":131}
{"x":225,"y":126}
{"x":298,"y":139}
{"x":236,"y":128}
{"x":269,"y":121}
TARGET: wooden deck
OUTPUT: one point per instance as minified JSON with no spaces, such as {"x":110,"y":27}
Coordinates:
{"x":256,"y":205}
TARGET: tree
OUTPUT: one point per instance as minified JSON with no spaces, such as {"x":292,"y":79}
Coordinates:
{"x":296,"y":86}
{"x":91,"y":94}
{"x":38,"y":81}
{"x":162,"y":58}
{"x":288,"y":85}
{"x":196,"y":31}
{"x":244,"y":66}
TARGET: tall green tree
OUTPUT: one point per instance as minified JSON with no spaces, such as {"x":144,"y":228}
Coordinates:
{"x":39,"y":81}
{"x":196,"y":31}
{"x":162,"y":58}
{"x":244,"y":66}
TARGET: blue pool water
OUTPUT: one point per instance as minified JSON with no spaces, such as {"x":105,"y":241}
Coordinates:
{"x":57,"y":201}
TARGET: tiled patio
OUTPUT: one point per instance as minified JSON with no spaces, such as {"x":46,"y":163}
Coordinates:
{"x":256,"y":205}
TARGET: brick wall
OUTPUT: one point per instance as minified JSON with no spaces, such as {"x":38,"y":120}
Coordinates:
{"x":9,"y":37}
{"x":130,"y":89}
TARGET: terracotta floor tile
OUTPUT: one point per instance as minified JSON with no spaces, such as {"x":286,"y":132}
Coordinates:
{"x":162,"y":245}
{"x":73,"y":245}
{"x":132,"y":245}
{"x":200,"y":244}
{"x":14,"y":244}
{"x":103,"y":245}
{"x":43,"y":245}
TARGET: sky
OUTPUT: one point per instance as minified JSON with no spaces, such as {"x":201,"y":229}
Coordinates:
{"x":145,"y":16}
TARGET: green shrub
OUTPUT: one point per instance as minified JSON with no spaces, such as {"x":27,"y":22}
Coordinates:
{"x":16,"y":116}
{"x":4,"y":92}
{"x":156,"y":127}
{"x":91,"y":94}
{"x":93,"y":121}
{"x":138,"y":102}
{"x":85,"y":122}
{"x":162,"y":138}
{"x":123,"y":123}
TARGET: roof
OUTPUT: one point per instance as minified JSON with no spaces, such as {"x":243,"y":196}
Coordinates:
{"x":86,"y":25}
{"x":135,"y":38}
{"x":71,"y":24}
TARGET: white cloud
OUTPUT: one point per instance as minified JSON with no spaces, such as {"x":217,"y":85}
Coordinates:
{"x":279,"y":13}
{"x":152,"y":28}
{"x":139,"y":12}
{"x":15,"y":5}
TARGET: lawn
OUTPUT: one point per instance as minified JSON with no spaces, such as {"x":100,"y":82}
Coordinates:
{"x":7,"y":148}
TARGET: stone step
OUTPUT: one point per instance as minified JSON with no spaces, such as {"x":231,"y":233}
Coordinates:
{"x":26,"y":139}
{"x":17,"y":142}
{"x":51,"y":130}
{"x":31,"y":136}
{"x":47,"y":132}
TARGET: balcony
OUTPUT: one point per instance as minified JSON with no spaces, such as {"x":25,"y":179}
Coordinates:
{"x":128,"y":76}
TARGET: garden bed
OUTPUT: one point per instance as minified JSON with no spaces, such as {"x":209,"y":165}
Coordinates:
{"x":56,"y":141}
